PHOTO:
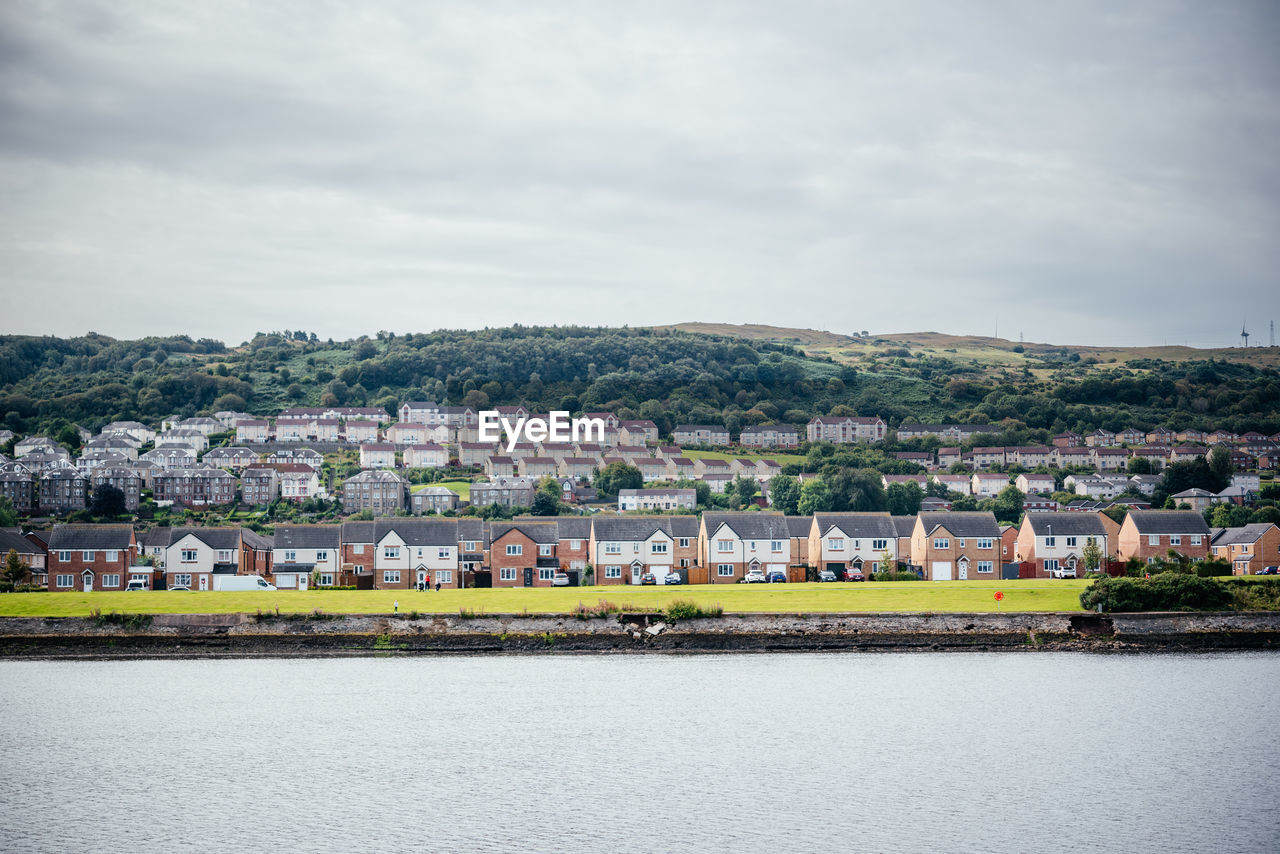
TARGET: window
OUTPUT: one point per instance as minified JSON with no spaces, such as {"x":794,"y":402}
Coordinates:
{"x":684,"y":563}
{"x":724,"y":546}
{"x":1175,"y":540}
{"x":613,"y":548}
{"x":724,"y":569}
{"x":321,"y":556}
{"x":290,"y":557}
{"x":182,"y":579}
{"x":515,"y":550}
{"x":1153,"y":539}
{"x":391,"y":576}
{"x":986,"y":566}
{"x":941,"y":543}
{"x":613,"y":572}
{"x":444,"y":576}
{"x":575,"y":544}
{"x":64,"y":557}
{"x":326,"y":579}
{"x":189,"y":556}
{"x":775,"y":545}
{"x":87,"y":557}
{"x":391,"y":552}
{"x":469,"y":545}
{"x":961,"y":544}
{"x":1195,"y":539}
{"x":544,"y":550}
{"x":836,"y":544}
{"x":545,"y":573}
{"x":1050,"y":542}
{"x":111,"y":581}
{"x":66,"y":580}
{"x":443,"y":553}
{"x":357,"y":549}
{"x":1051,"y":565}
{"x":113,"y":555}
{"x":684,"y":542}
{"x":658,"y":548}
{"x":508,"y":573}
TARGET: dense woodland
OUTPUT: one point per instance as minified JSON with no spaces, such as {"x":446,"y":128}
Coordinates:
{"x":47,"y":384}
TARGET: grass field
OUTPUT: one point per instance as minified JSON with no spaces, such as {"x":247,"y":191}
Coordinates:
{"x":462,"y":487}
{"x":905,"y":596}
{"x":782,"y":458}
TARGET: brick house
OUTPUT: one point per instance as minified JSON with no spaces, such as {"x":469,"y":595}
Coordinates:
{"x":356,"y":564}
{"x":624,"y":548}
{"x":730,"y":544}
{"x":844,"y":542}
{"x":383,"y":492}
{"x":1056,"y":541}
{"x":195,"y":487}
{"x":1150,"y":534}
{"x":701,"y":434}
{"x":86,"y":558}
{"x":957,"y":546}
{"x":523,"y":554}
{"x":1248,"y":548}
{"x":299,"y":551}
{"x":32,"y":554}
{"x":128,"y":481}
{"x":259,"y":485}
{"x":19,"y":486}
{"x":844,"y":429}
{"x":413,"y":553}
{"x":63,"y":491}
{"x":194,"y":556}
{"x":770,"y":436}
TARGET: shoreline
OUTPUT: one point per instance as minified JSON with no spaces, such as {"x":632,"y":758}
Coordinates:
{"x":326,"y":636}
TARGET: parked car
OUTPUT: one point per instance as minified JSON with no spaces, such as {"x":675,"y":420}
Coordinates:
{"x":181,"y":587}
{"x":754,"y":576}
{"x":1064,"y":572}
{"x":854,"y":575}
{"x":648,"y":578}
{"x":1269,"y":570}
{"x":777,"y":578}
{"x":826,"y":575}
{"x":560,"y":579}
{"x":136,"y":585}
{"x":673,"y":578}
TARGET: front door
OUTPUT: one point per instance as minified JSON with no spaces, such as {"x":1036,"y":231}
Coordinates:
{"x":962,"y":569}
{"x":637,"y":570}
{"x":88,"y":582}
{"x":422,"y":579}
{"x":204,"y":582}
{"x":528,"y":576}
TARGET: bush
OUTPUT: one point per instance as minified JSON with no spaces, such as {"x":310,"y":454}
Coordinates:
{"x":6,"y":586}
{"x":894,"y":575}
{"x":1213,"y":568}
{"x":1168,"y":591}
{"x":685,"y":609}
{"x":1251,"y":595}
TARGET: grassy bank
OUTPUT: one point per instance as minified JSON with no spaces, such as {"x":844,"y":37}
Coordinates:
{"x":923,"y":596}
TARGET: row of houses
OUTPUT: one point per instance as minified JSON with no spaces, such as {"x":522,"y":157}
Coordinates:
{"x":715,"y":548}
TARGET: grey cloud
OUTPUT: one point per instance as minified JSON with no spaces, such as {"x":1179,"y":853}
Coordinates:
{"x":350,"y":168}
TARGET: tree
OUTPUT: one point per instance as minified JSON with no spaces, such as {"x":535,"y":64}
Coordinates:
{"x":1091,"y":554}
{"x":1009,"y":505}
{"x":815,"y":497}
{"x":745,"y":488}
{"x":1140,"y":465}
{"x":546,"y":502}
{"x":8,"y":515}
{"x":784,"y":492}
{"x":15,"y":570}
{"x":1220,"y":465}
{"x":618,"y":476}
{"x":1228,"y":516}
{"x":904,"y":498}
{"x":108,"y":501}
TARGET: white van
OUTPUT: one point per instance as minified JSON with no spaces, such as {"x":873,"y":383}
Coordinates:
{"x":241,"y":582}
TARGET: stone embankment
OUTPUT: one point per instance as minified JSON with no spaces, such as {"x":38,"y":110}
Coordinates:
{"x":249,"y":635}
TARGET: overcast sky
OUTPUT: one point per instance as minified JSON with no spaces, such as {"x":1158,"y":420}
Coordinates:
{"x":1079,"y":173}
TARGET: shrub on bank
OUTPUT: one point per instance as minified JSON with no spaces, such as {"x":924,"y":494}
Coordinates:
{"x":1250,"y":594}
{"x":685,"y":609}
{"x":1213,"y":568}
{"x":1168,"y":591}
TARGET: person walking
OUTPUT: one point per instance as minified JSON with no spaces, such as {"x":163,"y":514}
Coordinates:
{"x":395,"y":607}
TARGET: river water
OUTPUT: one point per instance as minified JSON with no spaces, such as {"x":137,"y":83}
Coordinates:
{"x":770,"y":753}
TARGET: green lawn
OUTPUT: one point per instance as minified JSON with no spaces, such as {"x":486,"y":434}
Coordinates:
{"x":903,"y":596}
{"x":462,"y":487}
{"x":782,"y":458}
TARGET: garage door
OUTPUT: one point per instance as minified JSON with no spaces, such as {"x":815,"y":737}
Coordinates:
{"x":940,"y":570}
{"x":286,"y":580}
